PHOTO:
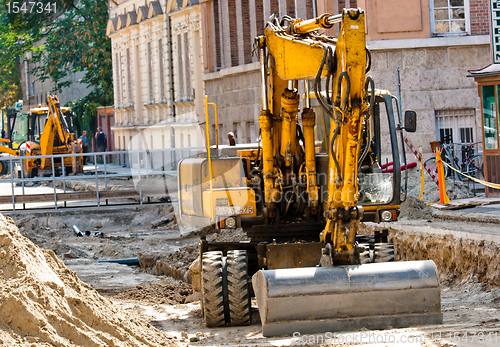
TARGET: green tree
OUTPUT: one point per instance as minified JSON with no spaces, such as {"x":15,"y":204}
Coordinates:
{"x":85,"y":116}
{"x":35,"y":17}
{"x":10,"y":72}
{"x":78,"y":42}
{"x":20,"y":28}
{"x":74,"y":40}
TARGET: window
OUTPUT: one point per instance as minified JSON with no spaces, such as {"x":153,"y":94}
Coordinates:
{"x":129,"y":78}
{"x":160,"y":63}
{"x":222,"y":135}
{"x":122,"y":79}
{"x":187,"y":67}
{"x":456,"y":125}
{"x":180,"y":69}
{"x":30,"y":80}
{"x":490,"y":117}
{"x":449,"y":17}
{"x":118,"y":80}
{"x":150,"y":74}
{"x":251,"y":132}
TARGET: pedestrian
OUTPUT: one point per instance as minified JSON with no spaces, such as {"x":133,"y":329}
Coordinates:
{"x":230,"y":136}
{"x":3,"y":134}
{"x":101,"y":140}
{"x":85,"y":145}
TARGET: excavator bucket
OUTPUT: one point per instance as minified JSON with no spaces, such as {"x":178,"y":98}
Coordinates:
{"x":347,"y":298}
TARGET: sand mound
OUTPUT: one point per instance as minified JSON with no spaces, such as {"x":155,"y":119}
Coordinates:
{"x":415,"y":209}
{"x":44,"y":303}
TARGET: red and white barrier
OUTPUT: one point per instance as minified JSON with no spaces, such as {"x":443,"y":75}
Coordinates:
{"x":418,"y":155}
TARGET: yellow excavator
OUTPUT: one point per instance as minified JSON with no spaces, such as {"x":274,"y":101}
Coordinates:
{"x":49,"y":131}
{"x":302,"y":191}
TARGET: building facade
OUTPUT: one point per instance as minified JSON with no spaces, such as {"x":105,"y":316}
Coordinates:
{"x":35,"y":91}
{"x":157,"y":60}
{"x":431,"y":42}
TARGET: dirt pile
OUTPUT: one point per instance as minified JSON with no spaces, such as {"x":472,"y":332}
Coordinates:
{"x":457,"y":259}
{"x":414,"y":208}
{"x":228,"y":235}
{"x":114,"y":232}
{"x":176,"y":264}
{"x":170,"y":293}
{"x":44,"y":303}
{"x":454,"y":188}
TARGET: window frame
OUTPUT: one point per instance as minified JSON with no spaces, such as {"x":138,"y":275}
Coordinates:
{"x":433,"y":24}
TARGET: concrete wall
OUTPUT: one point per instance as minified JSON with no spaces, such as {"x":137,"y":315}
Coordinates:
{"x":433,"y":78}
{"x":37,"y":93}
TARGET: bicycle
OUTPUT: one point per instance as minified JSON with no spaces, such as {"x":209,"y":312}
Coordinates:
{"x":471,"y":164}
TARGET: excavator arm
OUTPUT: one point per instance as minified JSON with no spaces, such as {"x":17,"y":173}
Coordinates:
{"x":347,"y":112}
{"x":55,"y":124}
{"x":299,"y":52}
{"x":341,"y":294}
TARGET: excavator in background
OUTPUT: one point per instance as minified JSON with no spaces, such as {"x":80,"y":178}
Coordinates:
{"x":45,"y":131}
{"x":16,"y":133}
{"x":302,"y":191}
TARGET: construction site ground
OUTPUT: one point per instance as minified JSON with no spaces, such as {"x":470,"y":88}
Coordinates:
{"x":464,"y":243}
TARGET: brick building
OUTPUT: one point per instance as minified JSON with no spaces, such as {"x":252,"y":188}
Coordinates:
{"x":157,"y":62}
{"x":432,"y":42}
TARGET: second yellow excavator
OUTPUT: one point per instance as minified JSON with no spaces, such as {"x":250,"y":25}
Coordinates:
{"x":302,"y":191}
{"x":47,"y":131}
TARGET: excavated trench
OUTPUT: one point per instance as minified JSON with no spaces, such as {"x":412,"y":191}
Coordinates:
{"x":459,"y":256}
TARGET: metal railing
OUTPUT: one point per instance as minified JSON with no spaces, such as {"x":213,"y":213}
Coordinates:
{"x":140,"y":165}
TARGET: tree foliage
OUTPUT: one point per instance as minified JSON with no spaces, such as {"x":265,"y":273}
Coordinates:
{"x":78,"y":42}
{"x":10,"y":72}
{"x":73,"y":40}
{"x":34,"y":17}
{"x":85,"y":116}
{"x":19,"y":30}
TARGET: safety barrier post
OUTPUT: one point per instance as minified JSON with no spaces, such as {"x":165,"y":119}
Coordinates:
{"x":96,"y":182}
{"x":443,"y":197}
{"x":422,"y":178}
{"x":54,"y":181}
{"x":12,"y":185}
